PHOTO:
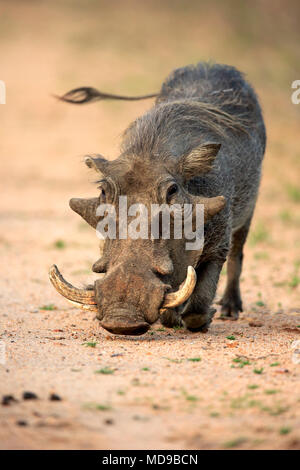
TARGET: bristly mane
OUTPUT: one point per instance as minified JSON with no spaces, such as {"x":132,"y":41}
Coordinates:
{"x":175,"y":127}
{"x":193,"y":101}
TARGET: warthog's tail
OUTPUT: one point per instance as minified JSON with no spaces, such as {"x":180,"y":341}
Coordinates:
{"x":87,"y":95}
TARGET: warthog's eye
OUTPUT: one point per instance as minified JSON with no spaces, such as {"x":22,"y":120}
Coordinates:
{"x":108,"y":191}
{"x":102,"y":196}
{"x":172,"y":190}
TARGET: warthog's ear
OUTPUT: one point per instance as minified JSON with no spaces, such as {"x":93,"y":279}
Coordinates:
{"x":199,"y":160}
{"x":97,"y":162}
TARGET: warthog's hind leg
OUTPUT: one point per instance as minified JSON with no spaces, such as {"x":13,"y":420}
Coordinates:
{"x":231,"y":301}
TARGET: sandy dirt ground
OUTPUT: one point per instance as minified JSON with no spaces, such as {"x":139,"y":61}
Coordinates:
{"x":236,"y":386}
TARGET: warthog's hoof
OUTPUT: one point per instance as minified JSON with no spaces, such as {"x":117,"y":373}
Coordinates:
{"x":171,"y":318}
{"x":197,"y":321}
{"x":231,"y":305}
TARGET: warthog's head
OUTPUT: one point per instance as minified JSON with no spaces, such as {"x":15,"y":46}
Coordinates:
{"x":143,"y":276}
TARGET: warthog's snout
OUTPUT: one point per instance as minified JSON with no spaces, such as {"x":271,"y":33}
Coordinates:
{"x":123,"y":324}
{"x":124,"y":310}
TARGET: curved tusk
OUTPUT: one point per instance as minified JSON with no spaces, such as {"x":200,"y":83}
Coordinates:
{"x":81,"y":298}
{"x":91,"y":308}
{"x":174,"y":299}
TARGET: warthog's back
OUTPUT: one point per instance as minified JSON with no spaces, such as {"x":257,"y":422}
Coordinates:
{"x":218,"y":86}
{"x":207,"y":103}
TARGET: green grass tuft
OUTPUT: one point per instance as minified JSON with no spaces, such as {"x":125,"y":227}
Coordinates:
{"x":294,"y":282}
{"x":293,"y":193}
{"x":241,"y":362}
{"x":285,"y":216}
{"x":177,"y":327}
{"x":176,"y":361}
{"x":235,"y":442}
{"x":48,"y":307}
{"x":59,"y":244}
{"x":285,"y":430}
{"x":191,"y":398}
{"x":97,"y":406}
{"x":261,"y":255}
{"x":105,"y":371}
{"x":259,"y":234}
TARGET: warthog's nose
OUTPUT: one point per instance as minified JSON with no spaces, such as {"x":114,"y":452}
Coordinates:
{"x":120,"y":326}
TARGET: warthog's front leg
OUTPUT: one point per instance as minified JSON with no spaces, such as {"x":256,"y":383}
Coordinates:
{"x":171,"y":318}
{"x":198,"y":313}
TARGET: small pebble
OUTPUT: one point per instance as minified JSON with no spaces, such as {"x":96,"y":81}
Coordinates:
{"x":255,"y":323}
{"x":29,"y":396}
{"x":281,"y":371}
{"x":109,"y":422}
{"x":22,"y":423}
{"x":8,"y":399}
{"x":54,"y":397}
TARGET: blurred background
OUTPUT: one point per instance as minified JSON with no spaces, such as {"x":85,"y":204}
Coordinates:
{"x":129,"y":47}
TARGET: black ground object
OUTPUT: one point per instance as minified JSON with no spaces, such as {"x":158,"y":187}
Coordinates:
{"x":54,"y":397}
{"x":109,"y":422}
{"x":22,"y":422}
{"x":8,"y":400}
{"x":29,"y":396}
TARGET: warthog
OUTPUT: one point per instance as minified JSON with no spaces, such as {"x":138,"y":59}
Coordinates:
{"x":202,"y":142}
